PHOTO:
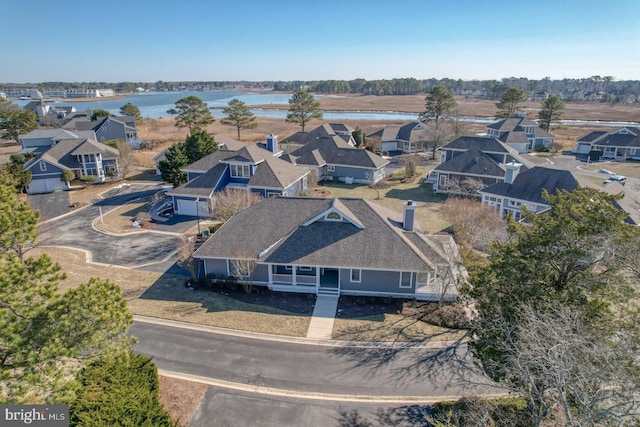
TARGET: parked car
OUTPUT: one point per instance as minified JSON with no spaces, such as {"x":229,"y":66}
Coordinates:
{"x":616,"y":178}
{"x":607,"y":171}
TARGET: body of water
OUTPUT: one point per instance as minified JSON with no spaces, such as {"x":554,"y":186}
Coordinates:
{"x":155,"y":105}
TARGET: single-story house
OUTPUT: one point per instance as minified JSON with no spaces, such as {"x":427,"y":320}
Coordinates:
{"x":335,"y":247}
{"x":252,"y":168}
{"x":620,"y":144}
{"x":107,"y":128}
{"x":334,"y":159}
{"x":520,"y":133}
{"x":409,"y":138}
{"x":81,"y":156}
{"x":470,"y":163}
{"x":298,"y":139}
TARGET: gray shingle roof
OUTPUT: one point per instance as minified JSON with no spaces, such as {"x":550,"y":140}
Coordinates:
{"x":63,"y":154}
{"x":330,"y":129}
{"x":228,"y":143}
{"x":202,"y":185}
{"x":517,"y":124}
{"x":282,"y":239}
{"x":530,"y":184}
{"x":413,"y":132}
{"x":337,"y":152}
{"x":472,"y":162}
{"x":482,"y":143}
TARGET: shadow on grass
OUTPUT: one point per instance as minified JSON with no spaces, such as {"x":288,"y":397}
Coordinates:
{"x":172,"y":286}
{"x":422,"y":193}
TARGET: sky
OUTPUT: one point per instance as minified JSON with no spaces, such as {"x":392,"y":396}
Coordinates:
{"x":147,"y":41}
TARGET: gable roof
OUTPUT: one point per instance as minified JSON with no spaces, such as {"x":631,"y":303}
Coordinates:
{"x":56,"y":134}
{"x":517,"y":124}
{"x":529,"y":185}
{"x":64,"y":153}
{"x":327,"y":129}
{"x":227,"y":143}
{"x":333,"y":150}
{"x":472,"y":162}
{"x":621,"y":137}
{"x":482,"y":143}
{"x":412,"y":132}
{"x":288,"y":239}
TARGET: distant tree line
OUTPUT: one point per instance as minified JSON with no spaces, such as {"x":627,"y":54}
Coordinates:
{"x":592,"y":88}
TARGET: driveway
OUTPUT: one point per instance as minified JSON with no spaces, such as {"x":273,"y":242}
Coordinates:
{"x":50,"y":205}
{"x":133,"y":250}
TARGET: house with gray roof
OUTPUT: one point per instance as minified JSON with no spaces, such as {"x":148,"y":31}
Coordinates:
{"x":108,"y":128}
{"x":334,"y":247}
{"x":47,"y":113}
{"x":408,"y":138}
{"x":520,"y":133}
{"x":82,"y":156}
{"x":470,"y":163}
{"x":527,"y":188}
{"x":251,"y":168}
{"x":331,"y":158}
{"x":298,"y":139}
{"x":43,"y":139}
{"x":620,"y":144}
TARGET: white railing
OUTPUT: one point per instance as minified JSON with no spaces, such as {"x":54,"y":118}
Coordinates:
{"x":282,"y":278}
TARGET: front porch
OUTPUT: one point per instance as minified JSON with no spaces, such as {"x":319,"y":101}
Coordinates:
{"x":304,"y":279}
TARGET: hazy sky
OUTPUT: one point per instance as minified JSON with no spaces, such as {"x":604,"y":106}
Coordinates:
{"x":141,"y":40}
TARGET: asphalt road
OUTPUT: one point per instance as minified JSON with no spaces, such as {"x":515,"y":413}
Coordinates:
{"x":230,"y":408}
{"x":374,"y":371}
{"x":75,"y":230}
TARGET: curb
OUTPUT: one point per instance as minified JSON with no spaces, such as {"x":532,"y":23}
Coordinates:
{"x":271,"y":391}
{"x":296,"y":340}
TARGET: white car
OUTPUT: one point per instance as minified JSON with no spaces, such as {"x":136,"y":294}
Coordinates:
{"x":607,"y":171}
{"x":616,"y":178}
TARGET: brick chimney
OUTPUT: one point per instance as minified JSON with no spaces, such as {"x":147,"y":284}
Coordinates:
{"x":272,"y":143}
{"x":409,"y":215}
{"x":512,"y":172}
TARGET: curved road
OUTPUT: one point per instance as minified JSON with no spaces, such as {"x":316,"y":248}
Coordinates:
{"x":76,"y":230}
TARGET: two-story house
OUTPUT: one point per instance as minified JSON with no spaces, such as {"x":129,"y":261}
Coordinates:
{"x":256,"y":168}
{"x":520,"y":133}
{"x":108,"y":128}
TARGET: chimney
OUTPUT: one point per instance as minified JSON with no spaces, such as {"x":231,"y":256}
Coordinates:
{"x":272,"y":143}
{"x":409,"y":215}
{"x":512,"y":172}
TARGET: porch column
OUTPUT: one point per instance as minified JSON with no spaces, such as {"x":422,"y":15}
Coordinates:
{"x":294,"y":282}
{"x":270,"y":268}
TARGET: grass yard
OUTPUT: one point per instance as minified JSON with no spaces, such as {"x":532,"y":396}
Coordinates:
{"x":630,"y":169}
{"x":120,"y":219}
{"x":181,"y":397}
{"x":165,"y":296}
{"x":391,"y":327}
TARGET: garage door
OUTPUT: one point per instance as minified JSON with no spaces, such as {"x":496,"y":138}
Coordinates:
{"x":189,"y":208}
{"x":389,"y":146}
{"x":46,"y":185}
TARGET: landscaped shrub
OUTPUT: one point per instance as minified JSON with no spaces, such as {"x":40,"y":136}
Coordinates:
{"x":67,"y":176}
{"x":510,"y":411}
{"x":121,"y":390}
{"x":18,"y":158}
{"x":449,"y":316}
{"x":541,"y":148}
{"x":89,"y":178}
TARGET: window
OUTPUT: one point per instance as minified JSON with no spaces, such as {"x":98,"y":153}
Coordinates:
{"x":443,"y":181}
{"x":331,"y":168}
{"x":333,"y":216}
{"x":43,"y":166}
{"x":288,"y":267}
{"x":233,"y":269}
{"x":405,"y":279}
{"x":356,"y":276}
{"x":423,"y":278}
{"x":632,"y":152}
{"x":240,"y":171}
{"x":305,"y":268}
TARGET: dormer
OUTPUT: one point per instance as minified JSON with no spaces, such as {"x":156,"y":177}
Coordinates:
{"x":337,"y":213}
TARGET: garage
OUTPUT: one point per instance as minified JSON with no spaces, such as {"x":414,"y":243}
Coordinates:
{"x":48,"y":185}
{"x":389,"y":146}
{"x":190,"y":208}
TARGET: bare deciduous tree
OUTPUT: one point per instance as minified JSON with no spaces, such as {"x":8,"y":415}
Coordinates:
{"x":243,"y":267}
{"x":186,"y":247}
{"x":475,"y":225}
{"x":562,"y":366}
{"x":125,"y":161}
{"x":231,"y":201}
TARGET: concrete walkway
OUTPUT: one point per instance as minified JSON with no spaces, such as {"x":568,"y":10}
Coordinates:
{"x":324,"y":313}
